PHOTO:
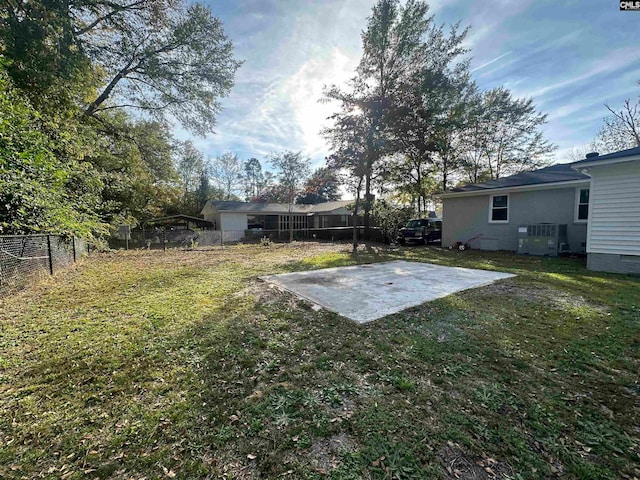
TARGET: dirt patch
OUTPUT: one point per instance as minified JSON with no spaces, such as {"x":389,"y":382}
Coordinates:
{"x":459,"y":464}
{"x":324,"y":454}
{"x":543,"y":294}
{"x":265,"y":294}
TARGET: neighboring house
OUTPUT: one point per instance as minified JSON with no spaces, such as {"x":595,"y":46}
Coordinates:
{"x":237,"y":217}
{"x":613,"y":231}
{"x":492,"y":212}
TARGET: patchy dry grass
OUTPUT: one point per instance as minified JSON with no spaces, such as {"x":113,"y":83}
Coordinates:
{"x":183,"y":365}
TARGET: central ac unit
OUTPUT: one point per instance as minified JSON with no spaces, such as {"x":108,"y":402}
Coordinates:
{"x":542,"y":239}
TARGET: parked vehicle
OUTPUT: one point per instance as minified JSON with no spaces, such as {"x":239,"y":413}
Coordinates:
{"x":421,"y":230}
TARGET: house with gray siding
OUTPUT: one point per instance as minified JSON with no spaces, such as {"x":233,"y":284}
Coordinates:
{"x":492,"y":212}
{"x":236,"y":218}
{"x":613,"y":228}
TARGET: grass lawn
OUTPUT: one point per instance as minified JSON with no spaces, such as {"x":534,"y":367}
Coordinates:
{"x":138,"y":365}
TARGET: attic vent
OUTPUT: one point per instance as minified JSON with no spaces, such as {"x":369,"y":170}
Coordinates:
{"x":592,"y":155}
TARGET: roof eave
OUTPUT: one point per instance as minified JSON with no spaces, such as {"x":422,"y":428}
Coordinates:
{"x":603,"y":161}
{"x":518,"y":188}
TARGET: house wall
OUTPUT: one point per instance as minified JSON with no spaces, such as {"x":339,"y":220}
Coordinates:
{"x":233,"y":224}
{"x":331,"y":221}
{"x":213,"y":217}
{"x":467,"y":216}
{"x":613,"y":238}
{"x":614,"y":223}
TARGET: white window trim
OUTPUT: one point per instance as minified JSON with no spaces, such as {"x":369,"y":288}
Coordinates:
{"x":576,"y":208}
{"x":491,"y":207}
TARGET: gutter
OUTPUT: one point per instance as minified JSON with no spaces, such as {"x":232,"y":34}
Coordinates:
{"x":517,"y":188}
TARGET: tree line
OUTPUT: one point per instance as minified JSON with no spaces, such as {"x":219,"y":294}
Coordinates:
{"x":412,"y":122}
{"x":91,"y":89}
{"x":227,"y":177}
{"x":89,"y":92}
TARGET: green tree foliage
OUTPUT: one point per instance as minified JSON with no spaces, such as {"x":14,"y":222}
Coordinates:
{"x":412,"y":122}
{"x":391,"y":217}
{"x":45,"y":63}
{"x":292,"y":169}
{"x":322,"y":186}
{"x":407,"y":84}
{"x":38,"y":192}
{"x":159,"y":57}
{"x":84,"y":66}
{"x":503,"y":138}
{"x":226,"y":171}
{"x":253,"y":178}
{"x":192,"y":170}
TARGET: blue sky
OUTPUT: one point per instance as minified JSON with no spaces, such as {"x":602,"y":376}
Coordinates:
{"x":571,"y":57}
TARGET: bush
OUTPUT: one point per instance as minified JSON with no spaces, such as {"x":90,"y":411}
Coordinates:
{"x":390,"y":218}
{"x":38,"y":192}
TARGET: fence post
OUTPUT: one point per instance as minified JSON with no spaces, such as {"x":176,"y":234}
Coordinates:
{"x":164,"y":240}
{"x":50,"y":254}
{"x":73,"y":244}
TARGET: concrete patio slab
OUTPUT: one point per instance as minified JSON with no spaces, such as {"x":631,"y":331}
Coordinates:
{"x":366,"y":292}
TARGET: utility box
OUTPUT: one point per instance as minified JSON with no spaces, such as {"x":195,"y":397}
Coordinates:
{"x":542,"y":239}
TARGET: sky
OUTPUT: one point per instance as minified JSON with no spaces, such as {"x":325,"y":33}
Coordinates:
{"x":571,"y":57}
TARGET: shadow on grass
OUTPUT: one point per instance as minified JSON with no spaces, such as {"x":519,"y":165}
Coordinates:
{"x":255,"y":384}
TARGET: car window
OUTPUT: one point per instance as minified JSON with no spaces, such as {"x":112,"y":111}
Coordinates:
{"x":413,"y":224}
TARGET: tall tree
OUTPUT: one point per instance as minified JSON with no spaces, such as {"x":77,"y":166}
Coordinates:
{"x":170,"y":58}
{"x":226,"y":170}
{"x":621,"y":129}
{"x":253,"y":178}
{"x":505,"y":137}
{"x":405,"y":86}
{"x":159,"y":57}
{"x":322,"y":186}
{"x":292,"y":169}
{"x":190,"y":166}
{"x":347,"y":142}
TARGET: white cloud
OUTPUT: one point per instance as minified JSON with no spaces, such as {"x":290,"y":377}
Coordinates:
{"x":615,"y":60}
{"x":490,"y":62}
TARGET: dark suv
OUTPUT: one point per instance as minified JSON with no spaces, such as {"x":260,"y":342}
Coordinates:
{"x":421,"y":230}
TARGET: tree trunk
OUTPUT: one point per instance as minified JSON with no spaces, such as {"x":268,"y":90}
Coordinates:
{"x":290,"y":218}
{"x":91,"y":109}
{"x":367,"y":205}
{"x":355,"y":217}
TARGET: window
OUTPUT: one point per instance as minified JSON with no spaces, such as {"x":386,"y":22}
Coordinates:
{"x":582,"y":204}
{"x":434,"y":226}
{"x":284,"y":222}
{"x":499,"y":208}
{"x":298,"y":222}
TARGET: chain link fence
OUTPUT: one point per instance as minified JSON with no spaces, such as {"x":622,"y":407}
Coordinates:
{"x":186,"y":238}
{"x":25,"y":259}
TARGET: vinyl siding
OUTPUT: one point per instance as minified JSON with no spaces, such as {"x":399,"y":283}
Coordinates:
{"x":465,"y":217}
{"x":614,"y":209}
